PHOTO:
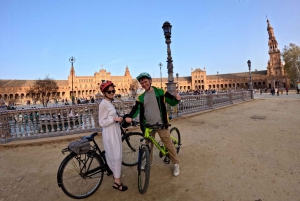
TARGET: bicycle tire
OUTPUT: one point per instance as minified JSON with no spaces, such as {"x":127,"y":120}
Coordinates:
{"x":143,"y":169}
{"x":130,"y":148}
{"x":175,"y":136}
{"x":71,"y":180}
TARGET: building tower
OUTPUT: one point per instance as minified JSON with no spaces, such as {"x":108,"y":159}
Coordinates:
{"x":275,"y":66}
{"x":71,"y":76}
{"x":71,"y":79}
{"x":127,"y":73}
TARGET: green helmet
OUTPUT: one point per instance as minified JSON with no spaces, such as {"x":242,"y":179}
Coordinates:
{"x":142,"y":75}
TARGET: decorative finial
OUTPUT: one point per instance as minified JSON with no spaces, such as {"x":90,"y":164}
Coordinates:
{"x":72,"y":60}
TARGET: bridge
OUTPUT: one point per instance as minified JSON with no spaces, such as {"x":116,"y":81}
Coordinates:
{"x":245,"y":151}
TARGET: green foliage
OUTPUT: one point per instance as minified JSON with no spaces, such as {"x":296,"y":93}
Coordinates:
{"x":42,"y":90}
{"x":291,"y":58}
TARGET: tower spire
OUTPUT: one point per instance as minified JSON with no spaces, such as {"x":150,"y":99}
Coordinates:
{"x":127,"y":73}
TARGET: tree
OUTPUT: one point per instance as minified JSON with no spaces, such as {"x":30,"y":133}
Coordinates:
{"x":42,"y":90}
{"x":291,"y":58}
{"x":134,"y":86}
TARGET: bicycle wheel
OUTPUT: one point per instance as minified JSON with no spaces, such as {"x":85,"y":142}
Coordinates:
{"x":79,"y":176}
{"x":143,"y":169}
{"x":130,"y":146}
{"x":175,"y":136}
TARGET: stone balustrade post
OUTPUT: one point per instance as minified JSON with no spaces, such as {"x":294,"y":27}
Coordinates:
{"x":210,"y":101}
{"x":4,"y":126}
{"x":231,"y":97}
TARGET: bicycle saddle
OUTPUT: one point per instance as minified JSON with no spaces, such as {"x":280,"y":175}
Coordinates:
{"x":90,"y":137}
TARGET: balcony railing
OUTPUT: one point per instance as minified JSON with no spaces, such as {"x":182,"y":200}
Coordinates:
{"x":64,"y":120}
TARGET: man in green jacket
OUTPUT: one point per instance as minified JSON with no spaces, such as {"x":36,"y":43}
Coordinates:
{"x":152,"y":109}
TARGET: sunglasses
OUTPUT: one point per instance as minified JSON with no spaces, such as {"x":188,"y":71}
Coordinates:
{"x":112,"y":91}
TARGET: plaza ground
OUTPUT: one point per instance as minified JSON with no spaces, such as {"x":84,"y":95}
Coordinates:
{"x":248,"y":151}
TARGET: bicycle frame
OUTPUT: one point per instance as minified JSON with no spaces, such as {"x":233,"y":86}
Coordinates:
{"x":148,"y":136}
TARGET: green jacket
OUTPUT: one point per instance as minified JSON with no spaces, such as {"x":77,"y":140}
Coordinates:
{"x":162,"y":97}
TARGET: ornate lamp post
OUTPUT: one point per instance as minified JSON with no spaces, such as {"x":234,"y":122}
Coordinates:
{"x":160,"y":65}
{"x":218,"y":80}
{"x":72,"y":60}
{"x":250,"y":78}
{"x":278,"y":86}
{"x":235,"y":82}
{"x":177,"y":82}
{"x":171,"y":86}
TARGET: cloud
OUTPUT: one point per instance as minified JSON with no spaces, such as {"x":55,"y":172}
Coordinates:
{"x":117,"y":60}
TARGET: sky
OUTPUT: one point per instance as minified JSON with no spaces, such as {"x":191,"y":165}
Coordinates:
{"x":37,"y":38}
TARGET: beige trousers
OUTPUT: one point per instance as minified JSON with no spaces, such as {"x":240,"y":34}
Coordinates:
{"x":164,"y":135}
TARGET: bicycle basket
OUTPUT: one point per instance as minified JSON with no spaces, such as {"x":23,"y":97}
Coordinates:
{"x":80,"y":146}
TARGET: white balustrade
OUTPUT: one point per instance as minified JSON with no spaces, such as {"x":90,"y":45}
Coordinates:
{"x":63,"y":120}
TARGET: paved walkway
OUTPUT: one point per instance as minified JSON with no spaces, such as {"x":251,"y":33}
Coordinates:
{"x":291,"y":95}
{"x":249,"y":151}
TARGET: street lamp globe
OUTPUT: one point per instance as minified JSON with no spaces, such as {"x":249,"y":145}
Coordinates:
{"x":249,"y":64}
{"x":167,"y":27}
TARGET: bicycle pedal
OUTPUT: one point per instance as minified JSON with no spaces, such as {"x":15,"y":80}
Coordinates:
{"x":167,"y":160}
{"x":160,"y":155}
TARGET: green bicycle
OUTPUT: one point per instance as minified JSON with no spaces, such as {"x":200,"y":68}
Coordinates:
{"x":144,"y":150}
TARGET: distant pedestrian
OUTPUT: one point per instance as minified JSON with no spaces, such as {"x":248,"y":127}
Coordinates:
{"x":277,"y":92}
{"x":260,"y":91}
{"x":287,"y":91}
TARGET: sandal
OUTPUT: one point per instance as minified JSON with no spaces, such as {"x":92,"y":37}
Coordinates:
{"x":124,"y":188}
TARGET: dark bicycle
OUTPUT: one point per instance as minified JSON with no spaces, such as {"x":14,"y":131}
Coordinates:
{"x":80,"y":175}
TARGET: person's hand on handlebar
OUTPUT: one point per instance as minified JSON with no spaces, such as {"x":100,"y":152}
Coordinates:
{"x":128,"y":119}
{"x":118,"y":119}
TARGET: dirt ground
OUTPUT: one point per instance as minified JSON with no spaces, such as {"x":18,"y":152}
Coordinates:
{"x":248,"y":151}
